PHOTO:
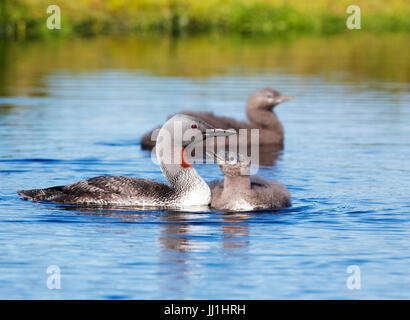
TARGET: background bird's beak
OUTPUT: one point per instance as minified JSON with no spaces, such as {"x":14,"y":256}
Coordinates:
{"x":282,"y":99}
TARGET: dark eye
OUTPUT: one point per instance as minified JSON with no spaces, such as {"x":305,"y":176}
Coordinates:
{"x":194,"y":126}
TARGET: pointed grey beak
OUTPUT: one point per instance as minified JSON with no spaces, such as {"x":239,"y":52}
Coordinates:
{"x":283,"y":99}
{"x":219,"y":133}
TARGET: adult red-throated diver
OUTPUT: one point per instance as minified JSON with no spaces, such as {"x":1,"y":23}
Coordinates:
{"x":259,"y":110}
{"x":185,"y":186}
{"x":239,"y":192}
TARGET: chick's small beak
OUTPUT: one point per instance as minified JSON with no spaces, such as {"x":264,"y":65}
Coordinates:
{"x":214,"y":156}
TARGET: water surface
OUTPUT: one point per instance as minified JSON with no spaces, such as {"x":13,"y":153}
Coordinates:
{"x":76,"y":109}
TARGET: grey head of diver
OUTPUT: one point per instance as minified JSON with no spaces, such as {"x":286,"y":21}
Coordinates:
{"x":176,"y":139}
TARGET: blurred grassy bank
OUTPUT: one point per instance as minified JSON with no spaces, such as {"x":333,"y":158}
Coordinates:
{"x":22,"y":19}
{"x":378,"y":62}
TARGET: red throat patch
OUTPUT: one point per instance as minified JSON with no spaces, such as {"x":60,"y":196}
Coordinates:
{"x":185,"y":160}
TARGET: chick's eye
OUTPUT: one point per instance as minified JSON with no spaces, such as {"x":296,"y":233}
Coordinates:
{"x":194,"y":126}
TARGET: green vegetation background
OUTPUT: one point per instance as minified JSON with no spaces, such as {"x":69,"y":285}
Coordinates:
{"x":22,"y":19}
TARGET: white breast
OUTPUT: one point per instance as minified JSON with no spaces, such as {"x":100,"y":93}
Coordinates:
{"x":200,"y":196}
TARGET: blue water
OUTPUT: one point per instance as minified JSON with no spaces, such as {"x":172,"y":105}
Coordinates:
{"x":346,"y":164}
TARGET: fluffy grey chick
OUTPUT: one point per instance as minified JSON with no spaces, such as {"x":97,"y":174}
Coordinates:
{"x":240,"y":192}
